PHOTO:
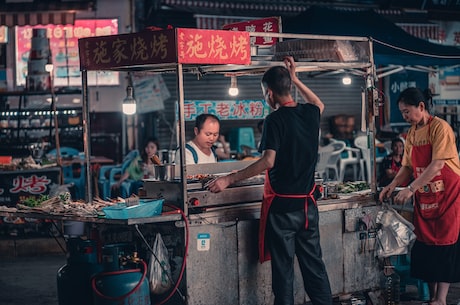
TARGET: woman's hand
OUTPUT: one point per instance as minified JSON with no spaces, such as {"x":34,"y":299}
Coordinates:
{"x":386,"y":192}
{"x":403,"y":196}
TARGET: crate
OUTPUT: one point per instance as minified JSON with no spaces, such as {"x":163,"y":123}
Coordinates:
{"x":145,"y":208}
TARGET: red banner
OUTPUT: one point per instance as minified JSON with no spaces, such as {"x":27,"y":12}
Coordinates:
{"x":265,"y":25}
{"x":213,"y":47}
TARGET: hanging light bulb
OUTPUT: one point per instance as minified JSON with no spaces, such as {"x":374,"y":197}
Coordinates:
{"x":346,"y":80}
{"x":129,"y":103}
{"x":233,"y":90}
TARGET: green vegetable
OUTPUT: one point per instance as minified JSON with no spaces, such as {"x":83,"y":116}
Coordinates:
{"x":352,"y":186}
{"x":35,"y":201}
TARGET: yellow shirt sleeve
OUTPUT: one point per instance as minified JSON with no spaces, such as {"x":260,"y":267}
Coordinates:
{"x":442,"y":139}
{"x":444,"y":145}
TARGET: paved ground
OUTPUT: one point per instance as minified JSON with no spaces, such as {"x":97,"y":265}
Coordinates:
{"x":411,"y":296}
{"x":32,"y":280}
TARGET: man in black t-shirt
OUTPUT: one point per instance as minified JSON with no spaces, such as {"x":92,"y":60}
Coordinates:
{"x":289,"y":216}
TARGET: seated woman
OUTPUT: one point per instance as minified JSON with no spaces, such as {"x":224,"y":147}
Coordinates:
{"x":135,"y":170}
{"x":392,"y":163}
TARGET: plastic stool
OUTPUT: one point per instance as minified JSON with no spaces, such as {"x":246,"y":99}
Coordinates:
{"x":402,"y":267}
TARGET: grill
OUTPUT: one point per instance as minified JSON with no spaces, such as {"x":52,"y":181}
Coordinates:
{"x":245,"y":191}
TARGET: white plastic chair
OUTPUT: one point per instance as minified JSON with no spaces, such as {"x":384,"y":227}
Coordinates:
{"x":324,"y":153}
{"x":351,"y":157}
{"x":333,"y":161}
{"x":387,"y":145}
{"x":361,"y":143}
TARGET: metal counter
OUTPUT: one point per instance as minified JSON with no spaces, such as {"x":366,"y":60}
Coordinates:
{"x":222,"y":256}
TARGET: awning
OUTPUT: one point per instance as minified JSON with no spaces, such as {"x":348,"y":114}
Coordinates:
{"x":36,"y":18}
{"x":271,"y":6}
{"x":214,"y":22}
{"x":392,"y":45}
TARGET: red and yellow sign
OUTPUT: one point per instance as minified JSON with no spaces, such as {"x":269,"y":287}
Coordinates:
{"x":188,"y":46}
{"x":213,"y":47}
{"x":264,"y":25}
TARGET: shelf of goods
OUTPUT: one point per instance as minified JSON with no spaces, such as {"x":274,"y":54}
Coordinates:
{"x":26,"y":125}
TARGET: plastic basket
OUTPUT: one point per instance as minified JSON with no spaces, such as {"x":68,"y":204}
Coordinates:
{"x":145,"y":208}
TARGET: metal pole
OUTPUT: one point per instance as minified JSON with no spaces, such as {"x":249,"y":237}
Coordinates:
{"x":181,"y":118}
{"x":86,"y":132}
{"x":373,"y":111}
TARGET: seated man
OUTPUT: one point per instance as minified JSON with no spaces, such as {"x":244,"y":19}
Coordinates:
{"x":201,"y":148}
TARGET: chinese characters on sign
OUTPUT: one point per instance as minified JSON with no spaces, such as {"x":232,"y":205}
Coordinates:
{"x":108,"y":52}
{"x":158,"y":47}
{"x":213,"y":47}
{"x":265,"y":25}
{"x":63,"y":41}
{"x":33,"y":184}
{"x":20,"y":185}
{"x":226,"y":110}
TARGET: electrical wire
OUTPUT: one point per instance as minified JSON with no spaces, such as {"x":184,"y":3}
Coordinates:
{"x":181,"y":274}
{"x":416,"y":52}
{"x":126,"y":295}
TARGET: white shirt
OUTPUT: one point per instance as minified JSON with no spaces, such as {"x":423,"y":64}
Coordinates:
{"x":202,"y":157}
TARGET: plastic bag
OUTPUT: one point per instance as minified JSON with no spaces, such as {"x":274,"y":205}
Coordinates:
{"x":159,"y":268}
{"x":395,"y":234}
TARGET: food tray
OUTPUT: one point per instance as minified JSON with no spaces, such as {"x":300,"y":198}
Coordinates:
{"x":145,"y":208}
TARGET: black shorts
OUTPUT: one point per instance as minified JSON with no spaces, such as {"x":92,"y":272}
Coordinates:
{"x":436,"y":263}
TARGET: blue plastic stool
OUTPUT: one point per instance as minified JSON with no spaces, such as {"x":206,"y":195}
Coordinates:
{"x":402,"y":267}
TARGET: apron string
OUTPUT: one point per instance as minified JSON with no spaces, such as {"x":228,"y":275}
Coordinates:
{"x":306,"y":196}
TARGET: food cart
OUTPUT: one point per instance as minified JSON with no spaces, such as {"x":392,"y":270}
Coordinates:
{"x":218,"y":232}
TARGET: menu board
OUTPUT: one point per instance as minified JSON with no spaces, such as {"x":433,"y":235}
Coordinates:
{"x":63,"y":41}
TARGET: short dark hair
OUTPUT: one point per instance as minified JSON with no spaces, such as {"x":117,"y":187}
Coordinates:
{"x":278,"y":80}
{"x":199,"y":121}
{"x":413,"y":96}
{"x":153,"y":140}
{"x":396,"y":140}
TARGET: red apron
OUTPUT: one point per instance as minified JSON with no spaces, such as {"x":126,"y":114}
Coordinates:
{"x":436,"y":205}
{"x":269,"y":195}
{"x":395,"y":169}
